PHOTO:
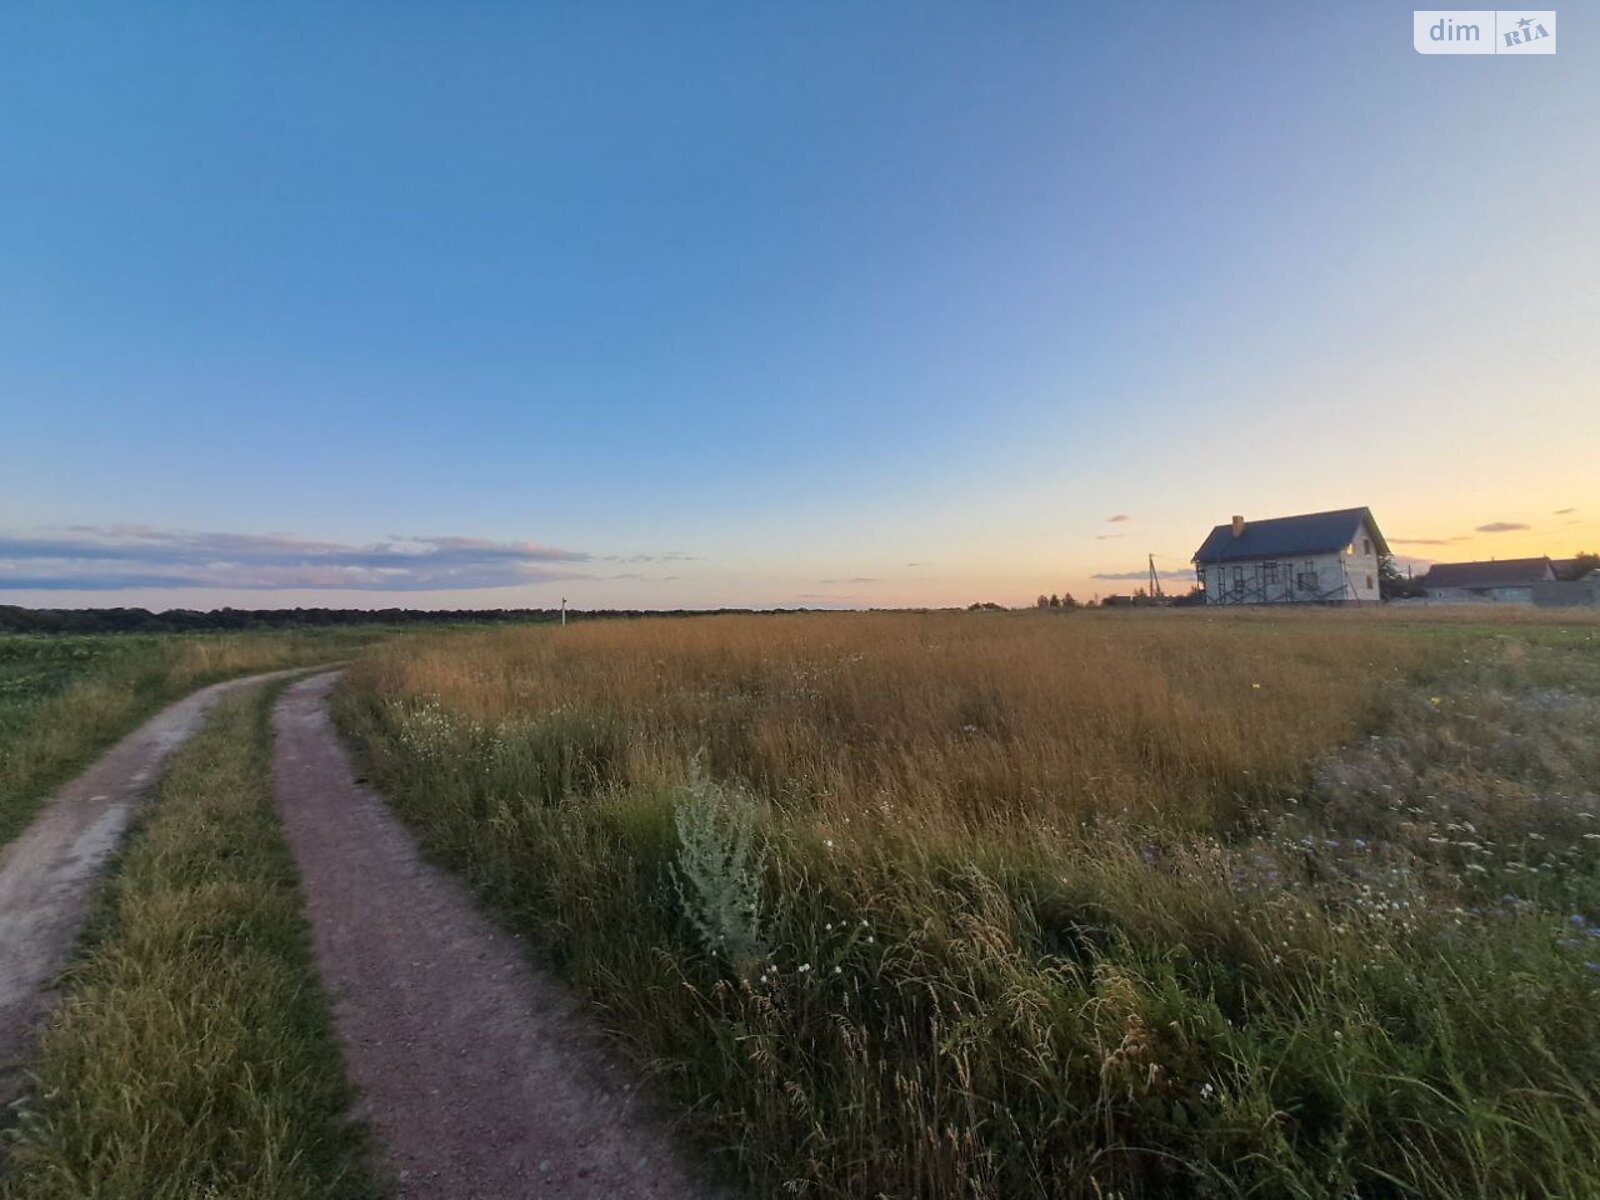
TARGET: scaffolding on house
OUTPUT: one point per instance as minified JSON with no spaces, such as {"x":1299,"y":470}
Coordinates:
{"x":1255,"y":586}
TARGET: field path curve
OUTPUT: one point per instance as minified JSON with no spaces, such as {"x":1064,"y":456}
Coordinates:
{"x":47,"y":875}
{"x":480,"y":1075}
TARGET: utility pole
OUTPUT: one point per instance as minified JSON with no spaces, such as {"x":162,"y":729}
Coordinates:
{"x":1155,"y":580}
{"x":563,"y":612}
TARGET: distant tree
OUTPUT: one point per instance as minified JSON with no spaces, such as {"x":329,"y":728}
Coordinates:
{"x":1067,"y":601}
{"x":1582,"y":563}
{"x":183,"y":620}
{"x":1392,"y":584}
{"x":1055,"y":600}
{"x":1042,"y":602}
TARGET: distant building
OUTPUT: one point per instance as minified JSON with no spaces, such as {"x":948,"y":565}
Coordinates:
{"x":1498,"y":581}
{"x":1318,"y":558}
{"x":1137,"y":600}
{"x":1569,"y":593}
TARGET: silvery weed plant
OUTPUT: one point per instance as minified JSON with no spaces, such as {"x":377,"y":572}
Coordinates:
{"x":718,"y":872}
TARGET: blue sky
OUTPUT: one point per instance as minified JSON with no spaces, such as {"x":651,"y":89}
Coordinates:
{"x":761,"y":304}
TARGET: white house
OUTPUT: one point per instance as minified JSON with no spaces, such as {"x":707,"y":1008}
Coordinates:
{"x":1317,"y":558}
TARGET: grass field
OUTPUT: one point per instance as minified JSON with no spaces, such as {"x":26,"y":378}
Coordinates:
{"x":65,"y":699}
{"x":1051,"y":905}
{"x":192,"y":1054}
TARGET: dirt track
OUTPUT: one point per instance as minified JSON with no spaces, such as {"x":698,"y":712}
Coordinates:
{"x":480,"y":1074}
{"x":47,"y":875}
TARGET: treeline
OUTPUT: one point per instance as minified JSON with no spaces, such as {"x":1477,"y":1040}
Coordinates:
{"x":187,"y":620}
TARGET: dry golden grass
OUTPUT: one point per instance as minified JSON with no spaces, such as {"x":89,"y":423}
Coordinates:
{"x":1052,"y":905}
{"x":945,"y":721}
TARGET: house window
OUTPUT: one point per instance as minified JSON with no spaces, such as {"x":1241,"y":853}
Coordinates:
{"x":1306,"y":581}
{"x":1238,"y":579}
{"x":1270,"y":571}
{"x":1366,"y":548}
{"x":1369,"y":583}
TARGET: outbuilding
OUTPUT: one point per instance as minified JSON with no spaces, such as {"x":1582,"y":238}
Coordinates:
{"x":1498,"y":581}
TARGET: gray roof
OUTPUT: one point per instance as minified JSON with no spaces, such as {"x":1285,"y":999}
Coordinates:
{"x":1285,"y":537}
{"x":1503,"y":572}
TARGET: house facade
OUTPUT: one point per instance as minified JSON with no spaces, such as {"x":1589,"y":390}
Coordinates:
{"x":1315,"y":558}
{"x":1498,"y":581}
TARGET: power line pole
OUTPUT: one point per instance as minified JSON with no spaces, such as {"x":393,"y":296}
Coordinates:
{"x":563,"y":612}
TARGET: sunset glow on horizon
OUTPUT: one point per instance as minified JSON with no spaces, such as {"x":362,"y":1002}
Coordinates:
{"x":896,"y":306}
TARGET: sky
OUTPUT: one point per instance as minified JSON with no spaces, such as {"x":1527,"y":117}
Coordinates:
{"x":487,"y":305}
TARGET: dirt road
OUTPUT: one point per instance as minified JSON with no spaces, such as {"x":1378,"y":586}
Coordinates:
{"x":480,"y":1074}
{"x":47,"y":875}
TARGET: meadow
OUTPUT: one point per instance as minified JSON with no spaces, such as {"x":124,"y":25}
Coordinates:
{"x":1073,"y":904}
{"x":63,"y":699}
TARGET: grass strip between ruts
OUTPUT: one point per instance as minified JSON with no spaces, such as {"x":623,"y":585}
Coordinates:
{"x":193,"y":1054}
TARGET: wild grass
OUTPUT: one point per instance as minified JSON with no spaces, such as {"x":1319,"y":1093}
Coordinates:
{"x":64,"y":699}
{"x":953,"y":724}
{"x":192,"y":1054}
{"x":1052,"y":905}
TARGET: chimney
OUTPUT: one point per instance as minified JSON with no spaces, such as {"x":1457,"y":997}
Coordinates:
{"x":1238,"y":527}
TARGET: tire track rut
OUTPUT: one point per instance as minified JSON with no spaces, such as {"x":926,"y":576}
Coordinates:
{"x":480,"y":1074}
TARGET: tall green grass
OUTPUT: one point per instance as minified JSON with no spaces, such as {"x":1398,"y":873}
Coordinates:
{"x":192,"y":1054}
{"x":1050,"y":907}
{"x":64,"y":699}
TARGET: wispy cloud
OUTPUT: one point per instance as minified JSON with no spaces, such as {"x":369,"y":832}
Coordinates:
{"x":1131,"y":575}
{"x":1106,"y":537}
{"x":1118,"y":519}
{"x":1502,"y":527}
{"x":852,"y":579}
{"x":1423,"y":541}
{"x":108,"y":558}
{"x":1565,"y":512}
{"x":672,"y":556}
